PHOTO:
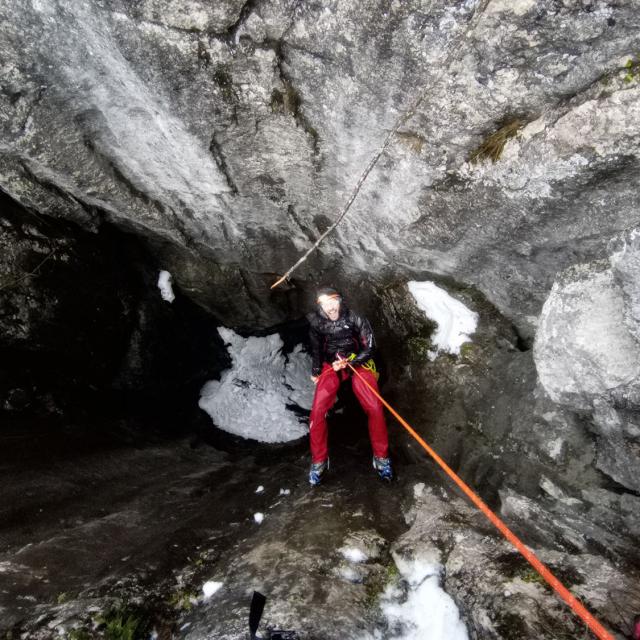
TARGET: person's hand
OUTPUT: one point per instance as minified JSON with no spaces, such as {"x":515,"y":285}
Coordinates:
{"x":339,"y":364}
{"x":315,"y":379}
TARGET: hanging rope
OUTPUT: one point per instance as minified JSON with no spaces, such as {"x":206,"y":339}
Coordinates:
{"x":410,"y":112}
{"x":557,"y":586}
{"x":372,"y":163}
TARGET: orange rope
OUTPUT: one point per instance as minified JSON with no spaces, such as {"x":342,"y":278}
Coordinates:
{"x":559,"y":588}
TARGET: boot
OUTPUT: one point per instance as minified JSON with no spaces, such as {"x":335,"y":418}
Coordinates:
{"x":316,"y":472}
{"x":383,"y":468}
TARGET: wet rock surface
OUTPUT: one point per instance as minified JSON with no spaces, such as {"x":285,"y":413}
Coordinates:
{"x":487,"y":412}
{"x":137,"y":531}
{"x":141,"y":528}
{"x":507,"y":598}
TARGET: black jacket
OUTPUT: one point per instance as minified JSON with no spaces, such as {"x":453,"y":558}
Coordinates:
{"x":350,"y":333}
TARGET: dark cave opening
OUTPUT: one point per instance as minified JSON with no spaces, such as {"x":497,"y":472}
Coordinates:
{"x":85,"y":333}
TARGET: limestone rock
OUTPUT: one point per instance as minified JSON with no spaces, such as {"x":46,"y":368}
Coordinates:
{"x":230,"y":135}
{"x":588,"y":358}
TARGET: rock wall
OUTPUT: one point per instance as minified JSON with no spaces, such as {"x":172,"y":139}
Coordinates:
{"x":230,"y":136}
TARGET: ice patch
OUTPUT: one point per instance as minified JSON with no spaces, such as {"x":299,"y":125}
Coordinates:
{"x":352,"y":554}
{"x":258,"y":517}
{"x":455,"y":321}
{"x":164,"y":284}
{"x":422,"y":610}
{"x":210,"y":587}
{"x":252,"y":398}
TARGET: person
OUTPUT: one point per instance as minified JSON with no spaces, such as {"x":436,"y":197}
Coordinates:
{"x":636,"y":628}
{"x":340,"y":337}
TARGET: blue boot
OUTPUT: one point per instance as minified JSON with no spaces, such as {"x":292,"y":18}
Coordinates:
{"x":316,"y":472}
{"x":383,"y":468}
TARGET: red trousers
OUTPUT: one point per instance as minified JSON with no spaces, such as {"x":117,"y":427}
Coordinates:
{"x":325,"y":395}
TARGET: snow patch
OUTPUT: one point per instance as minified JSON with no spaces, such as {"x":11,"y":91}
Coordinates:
{"x":210,"y":587}
{"x":260,"y":489}
{"x":554,"y":448}
{"x":417,"y":608}
{"x":455,"y":321}
{"x":164,"y":284}
{"x":418,"y":490}
{"x":258,"y":517}
{"x":353,"y":554}
{"x":350,"y":575}
{"x":253,"y":397}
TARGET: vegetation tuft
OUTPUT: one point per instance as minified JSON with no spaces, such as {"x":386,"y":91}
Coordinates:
{"x":183,"y":599}
{"x":632,"y":69}
{"x":493,"y":146}
{"x":124,"y":623}
{"x":532,"y":576}
{"x":78,"y":634}
{"x":377,"y":582}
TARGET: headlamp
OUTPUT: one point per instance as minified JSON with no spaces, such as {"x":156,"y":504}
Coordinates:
{"x":326,"y":297}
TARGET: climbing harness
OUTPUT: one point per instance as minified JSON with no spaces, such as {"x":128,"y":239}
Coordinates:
{"x":369,"y":365}
{"x":558,"y":587}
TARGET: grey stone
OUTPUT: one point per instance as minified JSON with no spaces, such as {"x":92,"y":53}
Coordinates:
{"x":589,"y":360}
{"x":625,"y":263}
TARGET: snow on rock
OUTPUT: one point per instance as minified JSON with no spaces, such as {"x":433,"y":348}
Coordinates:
{"x":455,"y":321}
{"x":210,"y":587}
{"x":353,"y":554}
{"x":260,"y":489}
{"x":164,"y":284}
{"x":251,"y":399}
{"x":349,"y":574}
{"x":417,"y":608}
{"x":258,"y":517}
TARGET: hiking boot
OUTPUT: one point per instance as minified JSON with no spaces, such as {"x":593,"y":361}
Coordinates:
{"x":316,"y":472}
{"x":383,"y":468}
